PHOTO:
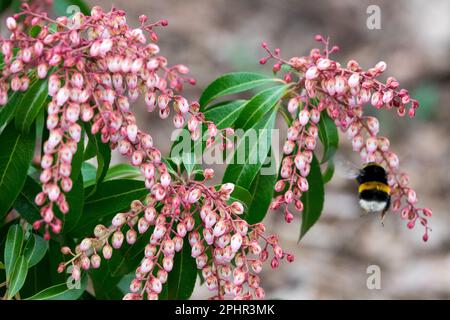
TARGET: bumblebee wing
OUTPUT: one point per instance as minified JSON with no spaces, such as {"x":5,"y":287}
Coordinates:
{"x":345,"y":168}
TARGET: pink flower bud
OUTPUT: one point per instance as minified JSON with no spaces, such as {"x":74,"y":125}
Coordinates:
{"x":310,"y":143}
{"x":194,"y":195}
{"x":371,"y":144}
{"x":11,"y":23}
{"x":381,"y":66}
{"x":236,"y":242}
{"x":357,"y":143}
{"x":288,"y":147}
{"x":353,"y":80}
{"x":303,"y":117}
{"x":167,"y":263}
{"x":237,"y":208}
{"x":119,"y":220}
{"x":131,"y":236}
{"x":76,"y":273}
{"x":293,"y":105}
{"x":412,"y":197}
{"x":312,"y":73}
{"x":323,"y":64}
{"x":86,"y":244}
{"x":393,"y":160}
{"x":165,"y":179}
{"x":373,"y":125}
{"x":95,"y":49}
{"x":107,"y":252}
{"x":197,"y":249}
{"x":117,"y":239}
{"x":53,"y":192}
{"x":95,"y":261}
{"x":132,"y":132}
{"x":85,"y":262}
{"x":105,"y":46}
{"x":339,"y":85}
{"x":220,"y":228}
{"x":427,"y":212}
{"x":159,"y":231}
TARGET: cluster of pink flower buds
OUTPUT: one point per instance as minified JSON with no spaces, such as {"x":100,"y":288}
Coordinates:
{"x":225,"y":247}
{"x":98,"y":66}
{"x":323,"y":85}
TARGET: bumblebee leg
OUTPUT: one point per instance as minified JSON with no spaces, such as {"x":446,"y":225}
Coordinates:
{"x":383,"y":215}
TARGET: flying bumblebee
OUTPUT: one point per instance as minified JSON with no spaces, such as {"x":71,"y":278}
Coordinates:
{"x":374,"y":192}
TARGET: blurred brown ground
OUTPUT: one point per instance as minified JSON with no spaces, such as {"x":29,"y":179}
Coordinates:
{"x":217,"y":36}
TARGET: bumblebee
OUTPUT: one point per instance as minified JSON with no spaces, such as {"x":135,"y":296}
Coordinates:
{"x":374,"y":191}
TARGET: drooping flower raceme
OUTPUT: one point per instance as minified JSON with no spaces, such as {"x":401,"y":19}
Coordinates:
{"x":324,"y":85}
{"x":96,"y":67}
{"x":100,"y":66}
{"x":229,"y":252}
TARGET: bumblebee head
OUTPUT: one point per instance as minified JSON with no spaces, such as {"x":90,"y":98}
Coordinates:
{"x":372,"y":172}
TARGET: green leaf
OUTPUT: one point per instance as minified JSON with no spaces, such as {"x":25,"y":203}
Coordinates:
{"x":181,"y":280}
{"x":13,"y":248}
{"x":2,"y":266}
{"x":312,"y":199}
{"x":8,"y":111}
{"x":109,"y":198}
{"x":25,"y":204}
{"x":89,"y":172}
{"x":224,"y":114}
{"x":232,"y":83}
{"x":18,"y":277}
{"x":329,"y":136}
{"x":77,"y":159}
{"x":256,"y":108}
{"x":188,"y":160}
{"x":70,"y":7}
{"x":329,"y":172}
{"x":62,"y":291}
{"x":15,"y":158}
{"x":105,"y":284}
{"x":242,"y":195}
{"x":31,"y":103}
{"x":129,"y":258}
{"x":75,"y":199}
{"x":250,"y":154}
{"x":35,"y":249}
{"x":122,"y":171}
{"x":261,"y":192}
{"x":103,"y":153}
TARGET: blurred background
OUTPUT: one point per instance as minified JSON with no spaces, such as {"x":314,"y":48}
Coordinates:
{"x":218,"y":36}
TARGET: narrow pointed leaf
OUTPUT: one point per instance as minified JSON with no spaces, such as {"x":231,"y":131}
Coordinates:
{"x":261,"y":193}
{"x":232,"y":83}
{"x":181,"y":280}
{"x":13,"y":248}
{"x":15,"y":158}
{"x":30,"y":104}
{"x":18,"y":277}
{"x":35,"y":249}
{"x":329,"y":136}
{"x":313,"y":199}
{"x":25,"y":204}
{"x":62,"y":291}
{"x":256,"y":108}
{"x":251,"y":152}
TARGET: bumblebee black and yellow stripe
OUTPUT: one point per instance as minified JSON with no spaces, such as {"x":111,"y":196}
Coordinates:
{"x":374,"y":185}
